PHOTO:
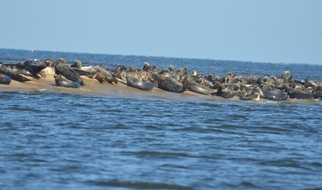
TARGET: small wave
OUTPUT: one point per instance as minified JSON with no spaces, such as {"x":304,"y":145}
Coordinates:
{"x":270,"y":130}
{"x":28,"y":109}
{"x":158,"y":154}
{"x":152,"y":127}
{"x":174,"y":166}
{"x":243,"y":184}
{"x":136,"y":184}
{"x":283,"y":163}
{"x":119,"y":126}
{"x":316,"y":164}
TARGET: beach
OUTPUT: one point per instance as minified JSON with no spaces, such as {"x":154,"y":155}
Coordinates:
{"x":93,"y":87}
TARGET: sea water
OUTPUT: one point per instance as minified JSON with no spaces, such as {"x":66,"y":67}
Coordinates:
{"x":75,"y":141}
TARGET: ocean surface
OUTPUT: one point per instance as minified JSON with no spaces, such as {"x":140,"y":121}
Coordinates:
{"x":75,"y":141}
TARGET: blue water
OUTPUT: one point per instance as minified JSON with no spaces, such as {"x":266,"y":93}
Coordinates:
{"x":69,"y":141}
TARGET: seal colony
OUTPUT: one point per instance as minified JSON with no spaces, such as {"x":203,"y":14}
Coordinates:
{"x":151,"y":80}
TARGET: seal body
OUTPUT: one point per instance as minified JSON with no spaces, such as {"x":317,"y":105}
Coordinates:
{"x":196,"y":87}
{"x":255,"y":97}
{"x":275,"y":94}
{"x":61,"y":68}
{"x":14,"y":75}
{"x":60,"y":81}
{"x":168,"y":83}
{"x":28,"y":68}
{"x":32,"y":67}
{"x":294,"y":93}
{"x":137,"y":83}
{"x":4,"y":79}
{"x":105,"y":76}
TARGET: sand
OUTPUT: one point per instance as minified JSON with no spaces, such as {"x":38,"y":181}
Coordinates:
{"x":120,"y":90}
{"x":93,"y":87}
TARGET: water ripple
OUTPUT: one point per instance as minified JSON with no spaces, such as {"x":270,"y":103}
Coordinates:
{"x":72,"y":141}
{"x":136,"y":184}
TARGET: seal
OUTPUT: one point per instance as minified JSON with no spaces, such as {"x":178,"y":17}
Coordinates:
{"x":62,"y":68}
{"x":196,"y":87}
{"x":28,"y":68}
{"x":101,"y":77}
{"x":49,"y":68}
{"x":254,"y":98}
{"x":139,"y":84}
{"x":48,"y":63}
{"x":150,"y":68}
{"x":118,"y":70}
{"x":33,"y":68}
{"x":77,"y":64}
{"x":299,"y":94}
{"x":204,"y":81}
{"x":318,"y":90}
{"x":104,"y":75}
{"x":221,"y":91}
{"x":60,"y":81}
{"x":4,"y":79}
{"x":83,"y":71}
{"x":13,"y":74}
{"x":167,"y":83}
{"x":276,"y":94}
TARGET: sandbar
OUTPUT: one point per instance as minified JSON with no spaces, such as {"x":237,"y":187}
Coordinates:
{"x":93,"y":87}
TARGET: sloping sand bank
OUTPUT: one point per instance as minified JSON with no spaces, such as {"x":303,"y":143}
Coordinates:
{"x":120,"y":90}
{"x":93,"y":87}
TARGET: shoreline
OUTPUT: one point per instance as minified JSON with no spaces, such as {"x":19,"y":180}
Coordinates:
{"x":93,"y":87}
{"x":121,"y":90}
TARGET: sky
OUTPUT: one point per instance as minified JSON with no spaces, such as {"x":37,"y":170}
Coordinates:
{"x":277,"y":31}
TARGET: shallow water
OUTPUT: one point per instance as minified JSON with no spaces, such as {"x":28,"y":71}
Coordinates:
{"x":60,"y":140}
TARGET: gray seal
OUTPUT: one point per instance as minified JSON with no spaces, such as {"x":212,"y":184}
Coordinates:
{"x":62,"y":68}
{"x":276,"y":95}
{"x":139,"y":84}
{"x":168,"y":84}
{"x":13,"y":74}
{"x":4,"y":79}
{"x":196,"y":87}
{"x":60,"y":81}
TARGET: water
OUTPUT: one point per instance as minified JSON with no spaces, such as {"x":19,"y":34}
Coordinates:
{"x":68,"y":141}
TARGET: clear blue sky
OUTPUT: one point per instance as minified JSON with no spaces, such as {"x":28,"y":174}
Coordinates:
{"x":287,"y":31}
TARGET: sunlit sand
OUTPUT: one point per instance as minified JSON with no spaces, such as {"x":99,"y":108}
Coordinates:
{"x":93,"y":87}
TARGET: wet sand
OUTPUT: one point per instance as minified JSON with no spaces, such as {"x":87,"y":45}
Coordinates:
{"x":120,"y":90}
{"x":93,"y":87}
